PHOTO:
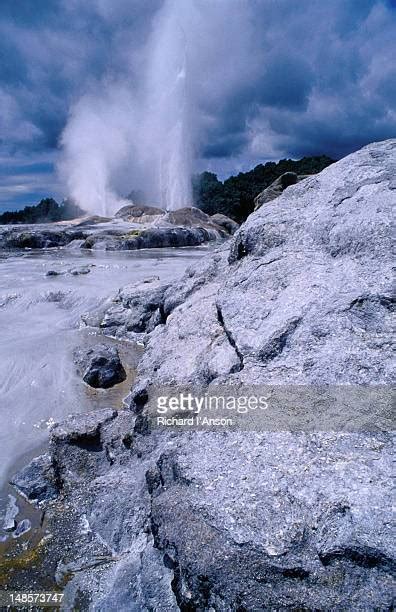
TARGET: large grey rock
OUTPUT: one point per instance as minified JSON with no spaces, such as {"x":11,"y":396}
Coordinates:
{"x":303,"y":290}
{"x":303,"y":295}
{"x":274,"y":520}
{"x":239,"y":520}
{"x":188,"y":217}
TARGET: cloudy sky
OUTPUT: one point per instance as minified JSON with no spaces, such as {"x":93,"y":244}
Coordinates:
{"x":268,"y":79}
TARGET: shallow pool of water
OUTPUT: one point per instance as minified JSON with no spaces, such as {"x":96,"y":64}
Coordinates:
{"x":40,"y":327}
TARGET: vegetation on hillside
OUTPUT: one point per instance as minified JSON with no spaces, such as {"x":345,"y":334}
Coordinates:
{"x":46,"y":210}
{"x":235,"y":196}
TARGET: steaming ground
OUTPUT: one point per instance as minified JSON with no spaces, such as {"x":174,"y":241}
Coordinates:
{"x":40,"y":318}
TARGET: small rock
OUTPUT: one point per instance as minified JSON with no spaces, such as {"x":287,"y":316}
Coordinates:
{"x":139,"y":396}
{"x":100,"y":366}
{"x":53,"y":296}
{"x":11,"y":512}
{"x":22,"y":527}
{"x":36,"y":481}
{"x":80,"y":270}
{"x":53,"y":273}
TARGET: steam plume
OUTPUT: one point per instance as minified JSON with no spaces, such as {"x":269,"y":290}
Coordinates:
{"x":142,"y":125}
{"x":146,"y":130}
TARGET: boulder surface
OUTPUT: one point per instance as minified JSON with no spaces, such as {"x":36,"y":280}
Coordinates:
{"x":247,"y":520}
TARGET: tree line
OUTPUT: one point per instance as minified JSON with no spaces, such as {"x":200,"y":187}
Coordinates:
{"x":235,"y":196}
{"x":45,"y":211}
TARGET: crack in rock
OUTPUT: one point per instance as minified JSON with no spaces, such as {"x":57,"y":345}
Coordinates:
{"x":230,"y":338}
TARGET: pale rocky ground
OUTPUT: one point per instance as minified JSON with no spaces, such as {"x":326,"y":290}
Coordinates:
{"x":237,"y":520}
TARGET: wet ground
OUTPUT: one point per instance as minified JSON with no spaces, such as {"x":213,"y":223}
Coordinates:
{"x":39,"y":329}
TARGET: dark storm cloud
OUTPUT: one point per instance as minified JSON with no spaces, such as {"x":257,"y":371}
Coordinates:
{"x":338,"y":70}
{"x":51,"y":51}
{"x":315,"y":77}
{"x":286,"y":83}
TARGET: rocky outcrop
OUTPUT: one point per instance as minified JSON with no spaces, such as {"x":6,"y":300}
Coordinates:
{"x":194,"y":217}
{"x":133,"y":228}
{"x":111,"y":239}
{"x":151,"y":238}
{"x":247,"y":520}
{"x":139,"y":214}
{"x":89,"y":220}
{"x":132,"y":313}
{"x":99,"y":366}
{"x":225,"y":222}
{"x":297,"y":291}
{"x":277,"y":187}
{"x":38,"y":237}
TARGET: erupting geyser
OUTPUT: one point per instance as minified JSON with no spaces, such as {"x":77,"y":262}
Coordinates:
{"x":167,"y":127}
{"x":175,"y":153}
{"x":136,"y":133}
